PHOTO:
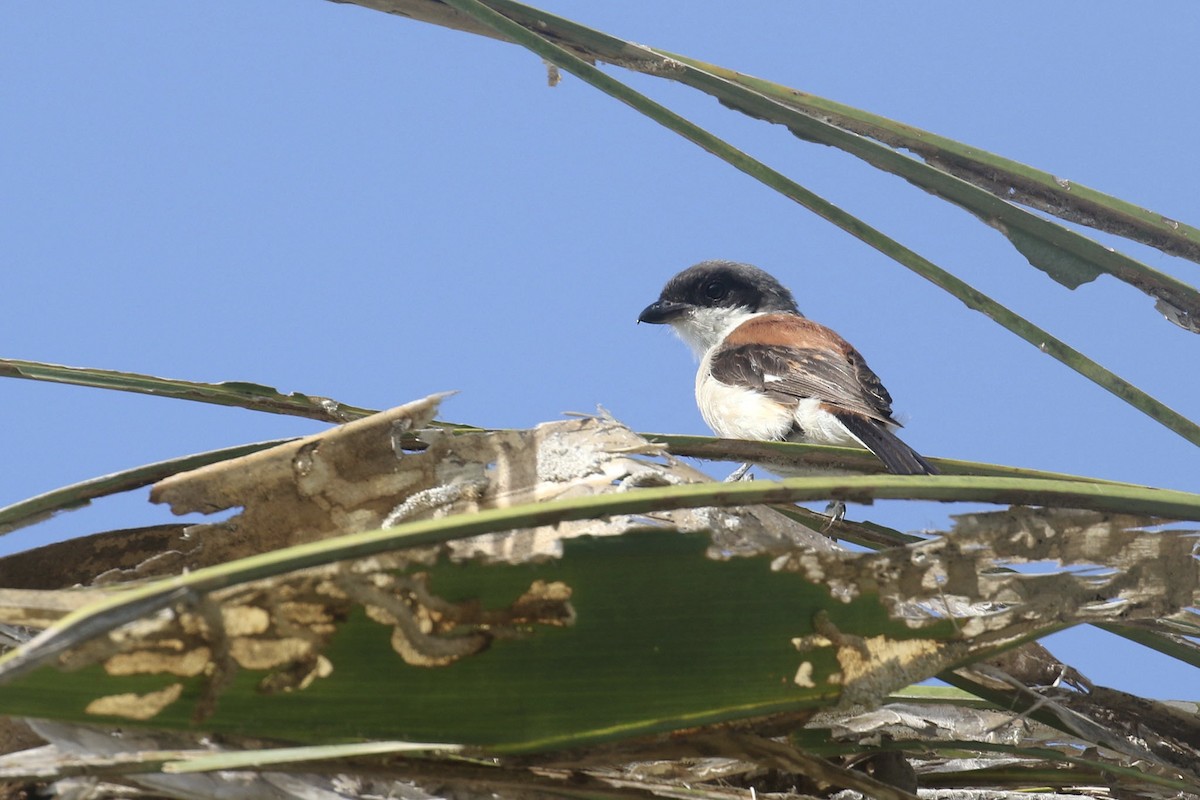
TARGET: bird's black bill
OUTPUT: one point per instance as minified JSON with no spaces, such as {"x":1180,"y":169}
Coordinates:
{"x":662,"y":312}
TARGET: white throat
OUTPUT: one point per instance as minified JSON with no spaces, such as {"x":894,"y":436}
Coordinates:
{"x":704,"y":328}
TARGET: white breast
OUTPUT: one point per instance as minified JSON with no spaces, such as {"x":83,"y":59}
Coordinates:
{"x":735,"y":413}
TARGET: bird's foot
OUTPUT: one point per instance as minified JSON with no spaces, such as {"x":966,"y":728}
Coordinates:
{"x":740,"y":474}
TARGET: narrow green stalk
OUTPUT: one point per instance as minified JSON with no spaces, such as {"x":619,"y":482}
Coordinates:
{"x":1177,"y":646}
{"x":229,"y":393}
{"x":298,"y":756}
{"x":38,"y":508}
{"x":987,"y":186}
{"x":971,"y":297}
{"x":831,"y":457}
{"x":1068,"y":257}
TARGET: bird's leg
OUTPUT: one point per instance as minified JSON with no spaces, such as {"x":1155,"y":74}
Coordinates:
{"x":739,"y":473}
{"x":836,"y":511}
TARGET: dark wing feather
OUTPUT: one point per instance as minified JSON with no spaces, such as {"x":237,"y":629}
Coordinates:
{"x":789,"y":374}
{"x":899,"y":458}
{"x":871,"y":386}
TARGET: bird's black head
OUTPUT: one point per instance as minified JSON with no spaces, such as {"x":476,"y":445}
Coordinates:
{"x":719,"y":285}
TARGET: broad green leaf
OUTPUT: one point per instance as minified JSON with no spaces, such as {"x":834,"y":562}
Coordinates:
{"x":663,"y":637}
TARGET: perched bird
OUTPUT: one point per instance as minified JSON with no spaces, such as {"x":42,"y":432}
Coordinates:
{"x":768,"y":373}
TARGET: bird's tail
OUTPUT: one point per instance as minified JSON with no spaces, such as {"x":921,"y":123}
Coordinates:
{"x":898,"y":457}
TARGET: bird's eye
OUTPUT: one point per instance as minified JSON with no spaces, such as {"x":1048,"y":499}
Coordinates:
{"x":715,"y":290}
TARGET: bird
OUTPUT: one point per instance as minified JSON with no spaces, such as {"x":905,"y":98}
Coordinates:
{"x":769,"y":373}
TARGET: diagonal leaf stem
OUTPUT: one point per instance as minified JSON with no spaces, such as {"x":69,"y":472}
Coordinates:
{"x":970,"y":296}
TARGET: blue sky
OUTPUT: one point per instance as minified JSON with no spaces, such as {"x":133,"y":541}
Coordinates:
{"x":330,"y":200}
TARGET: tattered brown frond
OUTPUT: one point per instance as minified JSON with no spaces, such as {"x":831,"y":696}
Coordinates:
{"x":678,"y":641}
